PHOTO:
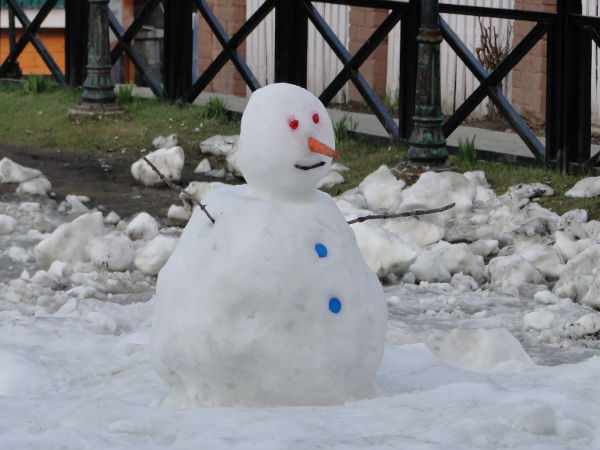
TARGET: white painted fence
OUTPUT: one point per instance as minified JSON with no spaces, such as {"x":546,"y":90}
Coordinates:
{"x":592,"y":8}
{"x":322,"y":63}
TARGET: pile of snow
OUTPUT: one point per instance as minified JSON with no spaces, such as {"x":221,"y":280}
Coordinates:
{"x":169,"y":161}
{"x":495,"y":320}
{"x":31,"y":181}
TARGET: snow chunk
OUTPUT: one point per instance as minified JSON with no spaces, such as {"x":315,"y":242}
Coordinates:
{"x":538,"y":418}
{"x":74,"y":204}
{"x":233,"y":163}
{"x":480,"y":350}
{"x":203,"y":167}
{"x":384,"y":252}
{"x":485,"y":247}
{"x":142,"y":226}
{"x":11,"y":172}
{"x":459,"y":258}
{"x":592,"y":297}
{"x":165,"y":142}
{"x":179,"y":214}
{"x":382,"y":190}
{"x":169,"y":161}
{"x":36,"y":186}
{"x":428,"y":267}
{"x":330,"y":180}
{"x":220,"y":145}
{"x":68,"y":242}
{"x":511,"y":272}
{"x":112,"y":218}
{"x":420,"y":231}
{"x":576,"y":276}
{"x":434,"y":190}
{"x":588,"y":187}
{"x":546,"y":259}
{"x":154,"y":255}
{"x":18,"y":254}
{"x":587,"y":324}
{"x":112,"y":252}
{"x":101,"y":322}
{"x":199,"y":189}
{"x":546,"y":297}
{"x":7,"y":224}
{"x":538,"y":320}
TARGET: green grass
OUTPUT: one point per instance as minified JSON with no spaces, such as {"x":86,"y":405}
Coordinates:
{"x":124,"y":94}
{"x":42,"y":120}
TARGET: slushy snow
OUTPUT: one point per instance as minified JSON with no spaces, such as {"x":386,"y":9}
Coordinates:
{"x":74,"y":339}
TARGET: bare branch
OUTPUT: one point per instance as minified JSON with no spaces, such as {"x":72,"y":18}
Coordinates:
{"x":420,"y":212}
{"x":189,"y":197}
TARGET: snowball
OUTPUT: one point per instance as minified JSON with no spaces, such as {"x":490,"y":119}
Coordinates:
{"x":332,"y":179}
{"x":546,"y":297}
{"x":11,"y":172}
{"x":585,"y":188}
{"x":155,"y":254}
{"x":233,"y":163}
{"x":428,"y":267}
{"x":112,"y":218}
{"x":587,"y":324}
{"x":36,"y":186}
{"x":18,"y":254}
{"x":199,"y":189}
{"x":68,"y":242}
{"x":169,"y":161}
{"x":8,"y":224}
{"x":382,"y":190}
{"x":484,"y":247}
{"x":203,"y":166}
{"x":179,"y":214}
{"x":420,"y":231}
{"x":142,"y":226}
{"x":538,"y":320}
{"x":111,"y":252}
{"x":220,"y":145}
{"x":592,"y":297}
{"x":480,"y":350}
{"x":165,"y":142}
{"x":384,"y":252}
{"x":538,"y":418}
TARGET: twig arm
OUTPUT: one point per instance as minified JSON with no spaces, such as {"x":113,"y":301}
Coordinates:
{"x":183,"y":192}
{"x":420,"y":212}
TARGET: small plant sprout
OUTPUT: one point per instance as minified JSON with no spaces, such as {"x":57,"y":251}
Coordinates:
{"x":36,"y":84}
{"x":125,"y":93}
{"x":343,"y":127}
{"x":215,"y":108}
{"x":467,"y":152}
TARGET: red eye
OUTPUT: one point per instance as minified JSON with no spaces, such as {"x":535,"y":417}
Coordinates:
{"x":315,"y":118}
{"x":293,"y":124}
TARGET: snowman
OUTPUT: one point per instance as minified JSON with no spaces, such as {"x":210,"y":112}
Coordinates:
{"x":272,"y":304}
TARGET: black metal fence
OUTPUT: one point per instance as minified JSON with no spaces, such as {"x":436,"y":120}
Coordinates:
{"x":570,"y":37}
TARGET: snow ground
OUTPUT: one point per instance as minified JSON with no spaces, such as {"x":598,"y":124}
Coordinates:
{"x":471,"y":362}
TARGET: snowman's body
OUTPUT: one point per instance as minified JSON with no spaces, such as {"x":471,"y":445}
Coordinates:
{"x":271,"y":305}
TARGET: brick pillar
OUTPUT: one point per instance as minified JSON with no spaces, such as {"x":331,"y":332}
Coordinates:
{"x":529,"y":76}
{"x":363,"y":22}
{"x":232,"y":15}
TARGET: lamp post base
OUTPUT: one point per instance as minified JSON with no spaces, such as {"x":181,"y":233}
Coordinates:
{"x":95,"y":109}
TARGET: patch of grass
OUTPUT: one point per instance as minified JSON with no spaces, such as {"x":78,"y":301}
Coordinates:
{"x":390,"y":101}
{"x":467,"y":152}
{"x":343,"y":126}
{"x":215,"y":108}
{"x":124,"y":94}
{"x":37,"y":83}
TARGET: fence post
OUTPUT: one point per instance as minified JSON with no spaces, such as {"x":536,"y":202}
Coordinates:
{"x":427,"y":141}
{"x":178,"y":48}
{"x":76,"y":31}
{"x":291,"y":35}
{"x":408,"y":74}
{"x":572,"y":55}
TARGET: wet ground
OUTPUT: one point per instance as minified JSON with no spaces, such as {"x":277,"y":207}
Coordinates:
{"x":103,"y":177}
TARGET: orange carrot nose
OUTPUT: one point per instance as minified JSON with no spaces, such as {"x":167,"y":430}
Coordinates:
{"x":318,"y":147}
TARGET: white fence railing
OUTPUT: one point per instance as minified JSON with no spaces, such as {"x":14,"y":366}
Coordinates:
{"x":592,"y":8}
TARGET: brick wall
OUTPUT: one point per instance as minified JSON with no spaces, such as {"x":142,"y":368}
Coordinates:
{"x":529,"y":76}
{"x":231,"y":14}
{"x":363,"y":21}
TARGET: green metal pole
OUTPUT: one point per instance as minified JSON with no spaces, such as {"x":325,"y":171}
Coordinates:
{"x":98,"y":89}
{"x":427,"y":142}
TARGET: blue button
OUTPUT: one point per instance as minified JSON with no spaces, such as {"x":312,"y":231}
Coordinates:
{"x":321,"y":250}
{"x":335,"y":305}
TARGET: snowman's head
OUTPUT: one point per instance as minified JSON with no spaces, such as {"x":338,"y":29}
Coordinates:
{"x":286,"y":141}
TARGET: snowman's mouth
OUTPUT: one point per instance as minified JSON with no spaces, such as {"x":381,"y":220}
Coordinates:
{"x":314,"y":166}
